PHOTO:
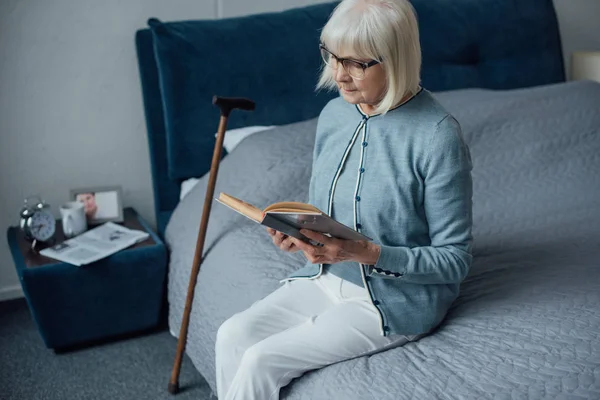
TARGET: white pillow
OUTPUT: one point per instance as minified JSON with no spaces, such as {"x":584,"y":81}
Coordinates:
{"x":186,"y":186}
{"x":232,"y":138}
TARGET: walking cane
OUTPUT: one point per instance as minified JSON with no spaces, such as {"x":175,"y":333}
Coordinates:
{"x":226,"y":105}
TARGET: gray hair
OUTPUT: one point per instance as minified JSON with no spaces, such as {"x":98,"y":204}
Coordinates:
{"x":385,"y":30}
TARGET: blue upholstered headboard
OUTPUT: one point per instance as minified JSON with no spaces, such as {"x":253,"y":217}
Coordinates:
{"x":273,"y":59}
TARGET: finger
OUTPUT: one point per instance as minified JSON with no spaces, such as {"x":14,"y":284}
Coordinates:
{"x":271,"y":231}
{"x":286,"y":244}
{"x":314,"y":259}
{"x":293,"y":248}
{"x":302,"y":245}
{"x":277,"y":239}
{"x":281,"y":235}
{"x":314,"y":235}
{"x":310,"y":252}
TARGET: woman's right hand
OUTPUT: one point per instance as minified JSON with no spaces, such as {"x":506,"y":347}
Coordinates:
{"x":282,"y":241}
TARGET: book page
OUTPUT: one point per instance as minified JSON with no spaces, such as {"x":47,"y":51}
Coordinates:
{"x":242,"y":207}
{"x":293,"y":207}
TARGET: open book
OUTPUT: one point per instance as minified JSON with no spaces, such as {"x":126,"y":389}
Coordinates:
{"x":289,"y":217}
{"x":95,"y":244}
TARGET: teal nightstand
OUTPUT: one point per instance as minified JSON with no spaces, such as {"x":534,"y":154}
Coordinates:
{"x":71,"y":305}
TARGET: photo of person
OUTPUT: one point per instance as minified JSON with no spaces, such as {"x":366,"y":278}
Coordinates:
{"x":100,"y":205}
{"x":89,"y":203}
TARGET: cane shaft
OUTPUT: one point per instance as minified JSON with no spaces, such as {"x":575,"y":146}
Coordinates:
{"x":214,"y":169}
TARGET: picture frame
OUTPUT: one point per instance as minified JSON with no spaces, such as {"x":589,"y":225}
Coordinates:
{"x":102,"y":204}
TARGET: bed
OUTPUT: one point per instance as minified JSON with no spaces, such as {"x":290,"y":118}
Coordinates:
{"x":527,"y":321}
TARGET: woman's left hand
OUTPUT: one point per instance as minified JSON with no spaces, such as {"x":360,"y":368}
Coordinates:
{"x":335,"y":250}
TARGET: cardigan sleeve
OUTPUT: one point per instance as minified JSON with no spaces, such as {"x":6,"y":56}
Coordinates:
{"x":448,"y":208}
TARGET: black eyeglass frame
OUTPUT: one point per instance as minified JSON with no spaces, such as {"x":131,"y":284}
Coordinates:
{"x":341,"y":60}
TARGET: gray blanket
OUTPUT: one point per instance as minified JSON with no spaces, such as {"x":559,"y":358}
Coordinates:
{"x":527,"y":322}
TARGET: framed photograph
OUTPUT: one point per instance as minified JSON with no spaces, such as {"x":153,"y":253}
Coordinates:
{"x":101,"y":204}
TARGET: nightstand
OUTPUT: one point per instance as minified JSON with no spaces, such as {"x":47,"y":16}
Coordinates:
{"x":72,"y":305}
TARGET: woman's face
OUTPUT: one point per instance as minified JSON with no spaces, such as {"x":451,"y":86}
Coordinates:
{"x":89,"y":203}
{"x":367,"y":92}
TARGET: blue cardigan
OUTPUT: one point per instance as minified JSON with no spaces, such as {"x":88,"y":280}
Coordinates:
{"x":412,"y":193}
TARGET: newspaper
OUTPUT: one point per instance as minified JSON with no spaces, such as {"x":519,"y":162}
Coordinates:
{"x":95,"y":244}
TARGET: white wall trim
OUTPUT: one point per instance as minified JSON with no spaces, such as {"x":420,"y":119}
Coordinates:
{"x":11,"y":292}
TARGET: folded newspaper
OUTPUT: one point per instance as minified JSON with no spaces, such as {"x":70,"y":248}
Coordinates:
{"x":95,"y":244}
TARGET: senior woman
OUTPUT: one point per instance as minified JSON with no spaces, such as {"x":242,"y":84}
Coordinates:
{"x":390,"y":162}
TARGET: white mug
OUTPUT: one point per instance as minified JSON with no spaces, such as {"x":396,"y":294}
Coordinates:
{"x":73,"y":217}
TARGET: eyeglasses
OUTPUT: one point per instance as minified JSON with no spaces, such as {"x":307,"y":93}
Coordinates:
{"x":354,"y":68}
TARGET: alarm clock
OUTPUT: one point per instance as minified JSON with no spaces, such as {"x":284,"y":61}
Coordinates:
{"x":36,"y":221}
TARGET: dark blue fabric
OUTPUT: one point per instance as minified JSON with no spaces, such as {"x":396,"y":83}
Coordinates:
{"x":119,"y":294}
{"x":493,"y":44}
{"x":165,"y":190}
{"x":273,"y":59}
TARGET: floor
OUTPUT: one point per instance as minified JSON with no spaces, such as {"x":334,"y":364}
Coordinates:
{"x":129,"y":368}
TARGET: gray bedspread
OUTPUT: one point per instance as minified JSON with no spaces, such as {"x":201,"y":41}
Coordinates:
{"x":527,"y":322}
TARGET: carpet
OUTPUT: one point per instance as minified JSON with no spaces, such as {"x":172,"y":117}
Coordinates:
{"x":130,"y":368}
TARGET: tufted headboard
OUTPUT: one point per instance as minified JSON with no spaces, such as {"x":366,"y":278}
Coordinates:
{"x":273,"y":59}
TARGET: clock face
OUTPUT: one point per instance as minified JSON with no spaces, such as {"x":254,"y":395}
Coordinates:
{"x":42,"y":225}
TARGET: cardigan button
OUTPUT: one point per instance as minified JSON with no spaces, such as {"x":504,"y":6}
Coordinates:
{"x":362,"y":170}
{"x":386,"y":328}
{"x":364,"y":144}
{"x":375,"y":302}
{"x":358,"y":226}
{"x":357,"y":198}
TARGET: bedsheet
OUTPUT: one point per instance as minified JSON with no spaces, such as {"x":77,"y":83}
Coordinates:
{"x":527,"y":322}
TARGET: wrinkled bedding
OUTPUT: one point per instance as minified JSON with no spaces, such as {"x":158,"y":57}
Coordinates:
{"x":527,"y":322}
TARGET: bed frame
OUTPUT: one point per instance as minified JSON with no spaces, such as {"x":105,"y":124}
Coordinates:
{"x":493,"y":44}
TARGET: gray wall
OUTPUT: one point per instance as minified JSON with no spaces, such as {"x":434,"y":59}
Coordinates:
{"x":579,"y":26}
{"x":70,"y":104}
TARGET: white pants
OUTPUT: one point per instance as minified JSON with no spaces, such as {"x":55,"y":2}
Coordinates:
{"x":303,"y":325}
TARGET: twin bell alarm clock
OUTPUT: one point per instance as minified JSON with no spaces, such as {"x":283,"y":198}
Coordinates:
{"x":36,"y":221}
